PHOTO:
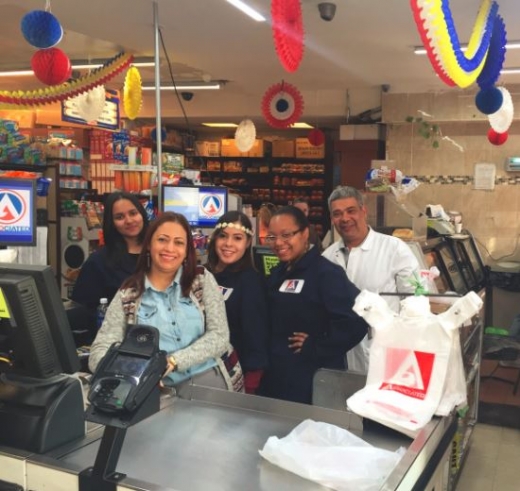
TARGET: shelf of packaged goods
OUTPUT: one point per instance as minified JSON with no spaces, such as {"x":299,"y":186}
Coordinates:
{"x":307,"y":186}
{"x":23,"y":167}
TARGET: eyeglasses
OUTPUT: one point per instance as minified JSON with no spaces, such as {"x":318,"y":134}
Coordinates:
{"x":286,"y":237}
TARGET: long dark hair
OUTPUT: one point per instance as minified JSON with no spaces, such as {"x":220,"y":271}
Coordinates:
{"x":189,"y":269}
{"x":115,"y":243}
{"x":246,"y":261}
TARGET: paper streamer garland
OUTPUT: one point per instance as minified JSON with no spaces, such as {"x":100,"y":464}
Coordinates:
{"x":436,"y":28}
{"x":132,"y":93}
{"x":282,"y":105}
{"x":245,"y":135}
{"x":287,"y":25}
{"x":99,"y":76}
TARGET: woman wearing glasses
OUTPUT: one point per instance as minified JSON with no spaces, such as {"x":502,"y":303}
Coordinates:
{"x":230,"y":260}
{"x":310,"y":303}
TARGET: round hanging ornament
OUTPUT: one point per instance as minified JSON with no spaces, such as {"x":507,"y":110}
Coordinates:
{"x":51,"y":66}
{"x":245,"y":135}
{"x":132,"y":93}
{"x":316,"y":137}
{"x":489,"y":101}
{"x":41,"y":29}
{"x":497,"y":138}
{"x":287,"y":25}
{"x":501,"y":120}
{"x":282,"y":105}
{"x":90,"y":104}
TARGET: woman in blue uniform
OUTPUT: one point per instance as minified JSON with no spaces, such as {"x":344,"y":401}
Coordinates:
{"x":124,"y":227}
{"x":230,"y":261}
{"x":310,"y":304}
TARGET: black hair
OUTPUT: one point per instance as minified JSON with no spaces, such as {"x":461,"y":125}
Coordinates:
{"x":297,"y":215}
{"x":246,"y":261}
{"x":115,"y":243}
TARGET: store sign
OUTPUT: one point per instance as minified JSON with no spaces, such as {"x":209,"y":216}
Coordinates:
{"x":109,"y":118}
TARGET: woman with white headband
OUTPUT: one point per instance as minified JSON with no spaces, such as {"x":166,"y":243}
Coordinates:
{"x":230,"y":260}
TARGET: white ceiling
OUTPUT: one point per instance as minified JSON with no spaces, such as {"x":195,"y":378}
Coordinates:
{"x":369,"y":43}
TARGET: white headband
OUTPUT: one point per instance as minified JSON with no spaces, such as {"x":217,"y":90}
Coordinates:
{"x":248,"y":231}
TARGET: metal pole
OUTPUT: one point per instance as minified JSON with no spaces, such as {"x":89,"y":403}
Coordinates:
{"x":158,"y":127}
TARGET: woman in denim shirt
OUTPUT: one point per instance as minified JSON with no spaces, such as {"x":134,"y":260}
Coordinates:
{"x":170,"y":292}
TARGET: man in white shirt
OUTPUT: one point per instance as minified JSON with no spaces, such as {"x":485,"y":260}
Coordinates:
{"x":373,"y":261}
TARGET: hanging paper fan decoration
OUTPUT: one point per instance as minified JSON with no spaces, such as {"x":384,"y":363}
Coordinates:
{"x":454,"y":66}
{"x":316,"y":137}
{"x":245,"y":135}
{"x":287,"y":27}
{"x":99,"y":76}
{"x":51,"y":66}
{"x":282,"y":105}
{"x":90,"y":104}
{"x":497,"y":138}
{"x":41,"y":29}
{"x":132,"y":93}
{"x":501,"y":120}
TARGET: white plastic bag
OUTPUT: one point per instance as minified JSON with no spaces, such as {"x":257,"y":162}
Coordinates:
{"x":331,"y":456}
{"x":409,"y":359}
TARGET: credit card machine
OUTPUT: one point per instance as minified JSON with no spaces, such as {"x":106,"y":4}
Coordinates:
{"x":128,"y":372}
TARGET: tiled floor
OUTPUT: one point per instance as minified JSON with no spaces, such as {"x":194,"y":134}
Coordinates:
{"x":493,"y":461}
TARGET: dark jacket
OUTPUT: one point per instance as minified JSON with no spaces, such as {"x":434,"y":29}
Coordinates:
{"x":246,"y":308}
{"x":99,"y":279}
{"x":323,"y":310}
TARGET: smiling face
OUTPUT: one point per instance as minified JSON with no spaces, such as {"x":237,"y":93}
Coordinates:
{"x":350,"y":220}
{"x":290,"y":243}
{"x":168,"y":248}
{"x":127,"y":219}
{"x":231,"y":244}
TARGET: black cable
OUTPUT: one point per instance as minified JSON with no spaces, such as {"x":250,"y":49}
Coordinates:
{"x":203,"y":166}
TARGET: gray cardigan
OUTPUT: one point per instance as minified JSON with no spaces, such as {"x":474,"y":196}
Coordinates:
{"x":206,"y":295}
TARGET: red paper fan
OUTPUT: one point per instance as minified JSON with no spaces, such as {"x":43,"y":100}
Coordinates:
{"x":287,"y":25}
{"x":282,"y":105}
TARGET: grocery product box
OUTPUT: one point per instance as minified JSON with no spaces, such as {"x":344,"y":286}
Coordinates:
{"x":261,"y":148}
{"x":283,"y":148}
{"x":304,"y":150}
{"x":228,"y":148}
{"x":207,"y":148}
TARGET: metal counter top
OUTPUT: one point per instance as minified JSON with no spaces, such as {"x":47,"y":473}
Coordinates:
{"x":209,"y":439}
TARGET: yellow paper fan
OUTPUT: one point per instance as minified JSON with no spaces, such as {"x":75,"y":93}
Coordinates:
{"x":132,"y":93}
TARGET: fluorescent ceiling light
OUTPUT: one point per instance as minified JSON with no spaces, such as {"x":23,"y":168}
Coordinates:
{"x":78,"y":65}
{"x":510,"y":71}
{"x":187,"y":86}
{"x":302,"y":125}
{"x":247,"y":10}
{"x":220,"y":125}
{"x":421,"y":50}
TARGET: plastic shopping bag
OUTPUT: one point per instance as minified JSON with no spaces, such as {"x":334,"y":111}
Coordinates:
{"x":331,"y":456}
{"x":409,"y":360}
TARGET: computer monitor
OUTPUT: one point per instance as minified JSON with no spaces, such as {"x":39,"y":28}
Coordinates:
{"x":34,"y":330}
{"x":201,"y":205}
{"x":17,"y":212}
{"x":264,"y":259}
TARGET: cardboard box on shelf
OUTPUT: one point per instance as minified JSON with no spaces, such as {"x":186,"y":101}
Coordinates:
{"x":283,"y":148}
{"x":261,"y":148}
{"x":207,"y":148}
{"x":229,"y":149}
{"x":304,"y":150}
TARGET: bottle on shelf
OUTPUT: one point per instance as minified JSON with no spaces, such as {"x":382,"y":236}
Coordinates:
{"x":101,"y":311}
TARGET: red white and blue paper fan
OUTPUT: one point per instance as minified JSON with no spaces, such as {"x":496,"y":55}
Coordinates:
{"x":287,"y":24}
{"x":282,"y":105}
{"x":245,"y":135}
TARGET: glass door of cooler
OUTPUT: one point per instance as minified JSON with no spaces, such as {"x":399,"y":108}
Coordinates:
{"x":456,"y":276}
{"x":470,"y":250}
{"x":463,"y":262}
{"x":432,"y":258}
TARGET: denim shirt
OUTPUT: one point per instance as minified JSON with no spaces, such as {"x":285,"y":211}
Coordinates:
{"x":179,"y":322}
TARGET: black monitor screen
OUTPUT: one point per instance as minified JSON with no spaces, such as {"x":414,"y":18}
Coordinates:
{"x":265,"y":259}
{"x":17,"y":212}
{"x":34,"y":330}
{"x":201,"y":205}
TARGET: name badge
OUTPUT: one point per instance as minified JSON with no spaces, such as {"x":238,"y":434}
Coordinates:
{"x":292,"y":286}
{"x":226,"y":292}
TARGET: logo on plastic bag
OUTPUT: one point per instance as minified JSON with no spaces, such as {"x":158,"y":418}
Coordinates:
{"x":408,"y":372}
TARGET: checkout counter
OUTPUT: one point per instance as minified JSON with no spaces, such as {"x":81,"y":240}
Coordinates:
{"x":205,"y":438}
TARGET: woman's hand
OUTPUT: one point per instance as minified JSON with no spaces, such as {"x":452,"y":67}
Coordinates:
{"x":171,"y":365}
{"x":296,"y":341}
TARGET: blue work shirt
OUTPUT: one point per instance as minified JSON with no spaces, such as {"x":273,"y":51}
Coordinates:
{"x":177,"y":318}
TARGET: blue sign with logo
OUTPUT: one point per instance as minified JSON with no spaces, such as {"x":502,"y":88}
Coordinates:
{"x":17,"y":212}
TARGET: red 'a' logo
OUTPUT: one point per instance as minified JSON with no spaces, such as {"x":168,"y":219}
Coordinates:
{"x":408,"y":372}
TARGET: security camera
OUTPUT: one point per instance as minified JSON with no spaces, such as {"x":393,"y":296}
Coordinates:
{"x":187,"y":96}
{"x":327,"y":10}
